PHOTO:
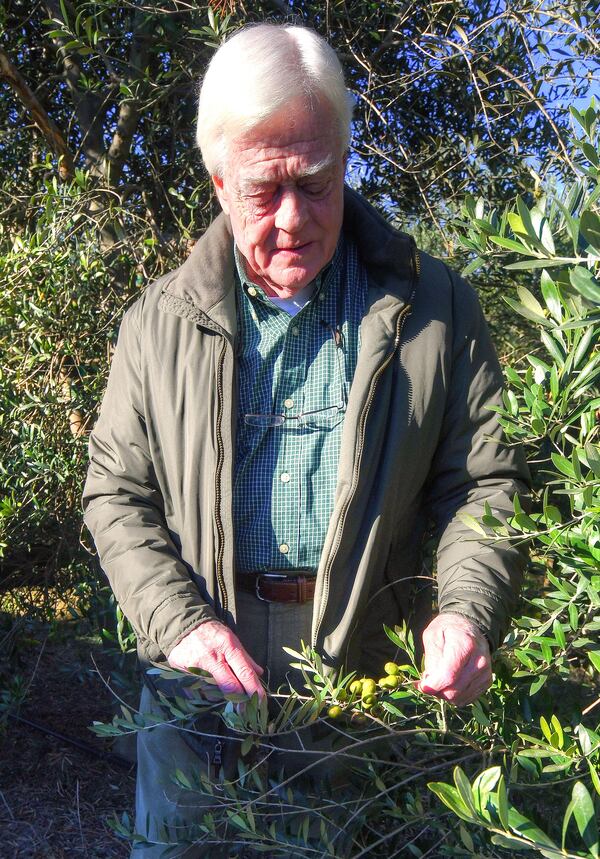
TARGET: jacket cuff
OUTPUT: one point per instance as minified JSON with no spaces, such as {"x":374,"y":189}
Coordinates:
{"x":475,"y":623}
{"x":489,"y":615}
{"x":177,"y":616}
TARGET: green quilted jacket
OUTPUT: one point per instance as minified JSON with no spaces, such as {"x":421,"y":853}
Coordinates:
{"x":420,"y":447}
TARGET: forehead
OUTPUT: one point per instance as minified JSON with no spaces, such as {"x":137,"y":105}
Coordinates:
{"x":286,"y":146}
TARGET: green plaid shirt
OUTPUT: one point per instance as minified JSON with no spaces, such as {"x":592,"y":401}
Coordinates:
{"x":285,"y":476}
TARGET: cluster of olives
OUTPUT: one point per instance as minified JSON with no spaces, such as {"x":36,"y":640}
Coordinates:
{"x":363,"y":692}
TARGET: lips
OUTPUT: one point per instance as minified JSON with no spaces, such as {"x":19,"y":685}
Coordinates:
{"x":293,"y":248}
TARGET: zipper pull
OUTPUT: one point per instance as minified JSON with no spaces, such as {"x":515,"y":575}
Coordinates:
{"x":217,"y":756}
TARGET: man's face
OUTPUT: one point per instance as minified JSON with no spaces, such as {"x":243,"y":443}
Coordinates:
{"x":282,"y":188}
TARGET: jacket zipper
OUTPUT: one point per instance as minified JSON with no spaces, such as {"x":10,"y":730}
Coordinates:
{"x":357,"y":460}
{"x":217,"y":758}
{"x":218,"y":472}
{"x":363,"y":419}
{"x":402,"y":316}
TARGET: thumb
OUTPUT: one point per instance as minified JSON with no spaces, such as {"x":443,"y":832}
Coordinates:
{"x":439,"y":664}
{"x":433,"y":650}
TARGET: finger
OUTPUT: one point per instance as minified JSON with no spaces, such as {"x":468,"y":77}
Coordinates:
{"x":456,"y":659}
{"x":225,"y":678}
{"x":447,"y":671}
{"x":462,"y":697}
{"x":458,"y":675}
{"x":258,"y":668}
{"x":453,"y":676}
{"x":470,"y":686}
{"x":433,"y":647}
{"x":479,"y":684}
{"x":432,"y":657}
{"x":232,"y":645}
{"x":242,"y":665}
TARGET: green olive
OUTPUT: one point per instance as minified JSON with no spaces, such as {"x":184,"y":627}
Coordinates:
{"x":356,"y":687}
{"x":391,"y":668}
{"x":368,"y":687}
{"x":368,"y":701}
{"x":335,"y":712}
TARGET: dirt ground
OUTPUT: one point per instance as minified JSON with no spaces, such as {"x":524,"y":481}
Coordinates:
{"x":55,"y":799}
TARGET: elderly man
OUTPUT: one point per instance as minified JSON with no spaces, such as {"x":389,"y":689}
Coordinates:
{"x":289,"y":413}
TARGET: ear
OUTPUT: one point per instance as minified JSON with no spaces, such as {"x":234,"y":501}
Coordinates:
{"x":221,"y":192}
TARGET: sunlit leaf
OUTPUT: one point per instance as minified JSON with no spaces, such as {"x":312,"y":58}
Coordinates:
{"x":582,"y":809}
{"x":585,"y":283}
{"x":589,"y":226}
{"x":452,"y":799}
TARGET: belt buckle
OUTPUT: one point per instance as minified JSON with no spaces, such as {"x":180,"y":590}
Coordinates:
{"x":266,"y":576}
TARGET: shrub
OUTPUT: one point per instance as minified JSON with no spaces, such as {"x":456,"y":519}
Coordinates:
{"x":62,"y":298}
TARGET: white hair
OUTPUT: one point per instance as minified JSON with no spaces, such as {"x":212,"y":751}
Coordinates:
{"x":255,"y":74}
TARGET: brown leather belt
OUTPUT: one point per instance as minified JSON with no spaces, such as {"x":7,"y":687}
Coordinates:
{"x":278,"y":587}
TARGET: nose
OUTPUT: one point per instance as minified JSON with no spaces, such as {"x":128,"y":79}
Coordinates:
{"x":292,"y":212}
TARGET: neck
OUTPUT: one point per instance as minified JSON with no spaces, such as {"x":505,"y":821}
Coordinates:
{"x":270,"y":290}
{"x":278,"y":291}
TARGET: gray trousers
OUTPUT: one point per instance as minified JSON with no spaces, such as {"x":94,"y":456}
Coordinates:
{"x":263,"y":629}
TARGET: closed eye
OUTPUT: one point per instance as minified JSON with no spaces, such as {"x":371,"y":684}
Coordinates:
{"x":316,"y":189}
{"x":260,"y":201}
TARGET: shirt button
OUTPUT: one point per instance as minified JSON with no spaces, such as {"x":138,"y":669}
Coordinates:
{"x":288,"y":403}
{"x":284,"y":548}
{"x":285,"y":478}
{"x":321,"y":296}
{"x":295,"y":331}
{"x":251,"y":291}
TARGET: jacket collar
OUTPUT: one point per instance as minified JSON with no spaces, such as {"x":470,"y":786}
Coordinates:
{"x":203,"y":288}
{"x":387,"y":253}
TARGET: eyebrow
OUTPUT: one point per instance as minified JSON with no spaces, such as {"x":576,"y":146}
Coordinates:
{"x":322,"y":166}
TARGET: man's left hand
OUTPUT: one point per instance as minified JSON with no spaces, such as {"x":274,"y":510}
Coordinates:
{"x":458,"y":663}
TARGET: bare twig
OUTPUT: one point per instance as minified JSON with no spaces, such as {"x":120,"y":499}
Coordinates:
{"x":8,"y":808}
{"x":538,"y":103}
{"x":590,"y":707}
{"x":129,"y":110}
{"x":79,"y":815}
{"x":34,"y":107}
{"x":89,"y":106}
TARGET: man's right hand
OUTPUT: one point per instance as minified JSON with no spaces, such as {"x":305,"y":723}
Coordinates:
{"x":213,"y":647}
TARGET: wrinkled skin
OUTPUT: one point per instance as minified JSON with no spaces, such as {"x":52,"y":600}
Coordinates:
{"x":458,"y":663}
{"x":457,"y":659}
{"x":283,"y":189}
{"x":213,"y":647}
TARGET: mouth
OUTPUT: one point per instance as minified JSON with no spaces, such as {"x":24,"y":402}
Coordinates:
{"x":293,"y":249}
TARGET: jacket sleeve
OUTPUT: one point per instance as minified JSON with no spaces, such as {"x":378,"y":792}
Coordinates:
{"x":124,"y":510}
{"x":477,"y":577}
